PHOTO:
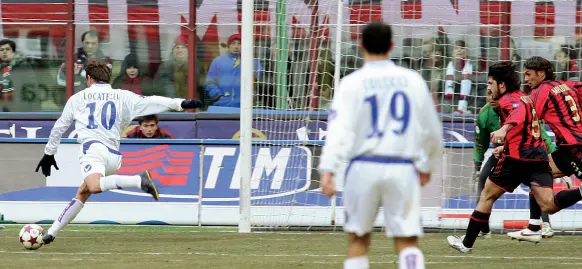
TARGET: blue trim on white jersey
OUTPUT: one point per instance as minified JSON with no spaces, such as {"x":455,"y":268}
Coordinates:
{"x":376,"y":159}
{"x":88,"y":144}
{"x":381,"y":159}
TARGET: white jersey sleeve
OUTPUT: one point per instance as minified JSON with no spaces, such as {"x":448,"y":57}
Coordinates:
{"x":340,"y":127}
{"x":140,"y":105}
{"x":61,"y":126}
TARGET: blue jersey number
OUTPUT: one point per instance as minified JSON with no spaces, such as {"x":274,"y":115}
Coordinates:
{"x":107,"y":124}
{"x":399,"y":99}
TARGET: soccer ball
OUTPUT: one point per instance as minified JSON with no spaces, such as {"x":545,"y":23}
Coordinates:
{"x":31,"y":236}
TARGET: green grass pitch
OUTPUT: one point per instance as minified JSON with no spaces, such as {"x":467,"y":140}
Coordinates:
{"x":107,"y":247}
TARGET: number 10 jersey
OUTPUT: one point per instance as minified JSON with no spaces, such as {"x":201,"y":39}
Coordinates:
{"x":101,"y":113}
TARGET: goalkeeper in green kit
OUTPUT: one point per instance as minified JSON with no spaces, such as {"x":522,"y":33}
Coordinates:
{"x":488,"y":122}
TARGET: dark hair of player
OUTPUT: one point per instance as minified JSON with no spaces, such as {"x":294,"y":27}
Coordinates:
{"x":377,"y":37}
{"x":145,"y":118}
{"x":505,"y":72}
{"x":538,"y":63}
{"x":99,"y":71}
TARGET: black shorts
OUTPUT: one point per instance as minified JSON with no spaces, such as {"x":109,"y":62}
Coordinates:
{"x":509,"y":173}
{"x":486,"y":171}
{"x":568,"y":160}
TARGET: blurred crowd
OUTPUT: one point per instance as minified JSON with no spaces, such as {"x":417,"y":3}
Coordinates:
{"x":456,"y":80}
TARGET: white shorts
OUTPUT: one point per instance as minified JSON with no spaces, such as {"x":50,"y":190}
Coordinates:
{"x":372,"y":182}
{"x":95,"y":157}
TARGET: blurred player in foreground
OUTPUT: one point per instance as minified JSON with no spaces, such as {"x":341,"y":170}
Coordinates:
{"x":101,"y":114}
{"x":523,"y":157}
{"x":488,"y":122}
{"x":384,"y":123}
{"x":557,"y":103}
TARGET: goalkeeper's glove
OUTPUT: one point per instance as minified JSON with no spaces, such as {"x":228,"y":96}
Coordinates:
{"x":477,"y":166}
{"x":477,"y":172}
{"x":45,"y":163}
{"x":189,"y":104}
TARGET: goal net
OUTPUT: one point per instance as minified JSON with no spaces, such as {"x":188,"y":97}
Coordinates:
{"x":302,"y":49}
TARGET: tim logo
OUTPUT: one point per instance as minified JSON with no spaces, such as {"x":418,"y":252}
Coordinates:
{"x":169,"y":167}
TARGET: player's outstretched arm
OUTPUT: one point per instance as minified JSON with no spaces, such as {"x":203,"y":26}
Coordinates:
{"x":141,"y":105}
{"x":60,"y":127}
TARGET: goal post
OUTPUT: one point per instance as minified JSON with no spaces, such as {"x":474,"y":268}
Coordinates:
{"x":246,"y":115}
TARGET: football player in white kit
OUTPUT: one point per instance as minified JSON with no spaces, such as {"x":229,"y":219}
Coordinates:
{"x":384,"y":126}
{"x":101,"y":113}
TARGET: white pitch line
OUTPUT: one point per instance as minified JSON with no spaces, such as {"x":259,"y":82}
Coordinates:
{"x":395,"y":262}
{"x":470,"y":256}
{"x":276,"y":239}
{"x":301,"y":233}
{"x":140,"y":231}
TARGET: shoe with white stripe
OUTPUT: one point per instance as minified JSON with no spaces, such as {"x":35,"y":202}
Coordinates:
{"x":457,"y":243}
{"x":547,"y":230}
{"x":526,"y":235}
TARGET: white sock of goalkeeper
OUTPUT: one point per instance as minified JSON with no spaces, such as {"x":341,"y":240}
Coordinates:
{"x":68,"y":215}
{"x":411,"y":258}
{"x":360,"y":262}
{"x":119,"y":182}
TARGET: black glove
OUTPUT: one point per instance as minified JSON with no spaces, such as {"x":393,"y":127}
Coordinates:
{"x":477,"y":166}
{"x":46,"y":162}
{"x":477,"y":172}
{"x":188,"y":104}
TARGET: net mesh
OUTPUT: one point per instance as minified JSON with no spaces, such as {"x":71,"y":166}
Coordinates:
{"x":451,"y":43}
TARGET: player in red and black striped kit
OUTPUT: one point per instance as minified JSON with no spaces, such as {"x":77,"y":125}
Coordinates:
{"x":556,"y":102}
{"x":523,"y":156}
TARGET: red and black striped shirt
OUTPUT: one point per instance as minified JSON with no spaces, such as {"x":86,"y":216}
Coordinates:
{"x":524,"y":140}
{"x":557,"y":104}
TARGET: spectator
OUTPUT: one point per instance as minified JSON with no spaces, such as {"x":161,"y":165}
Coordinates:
{"x":458,"y":83}
{"x":148,"y":128}
{"x":19,"y":89}
{"x":89,"y":51}
{"x":172,"y":77}
{"x":566,"y":66}
{"x":223,"y":79}
{"x":433,"y":66}
{"x":131,"y":78}
{"x":325,"y":71}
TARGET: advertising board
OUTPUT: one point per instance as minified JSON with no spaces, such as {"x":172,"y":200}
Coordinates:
{"x":454,"y":131}
{"x":284,"y":187}
{"x":279,"y":174}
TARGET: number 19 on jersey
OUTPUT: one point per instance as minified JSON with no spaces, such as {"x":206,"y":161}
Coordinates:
{"x":398,"y":99}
